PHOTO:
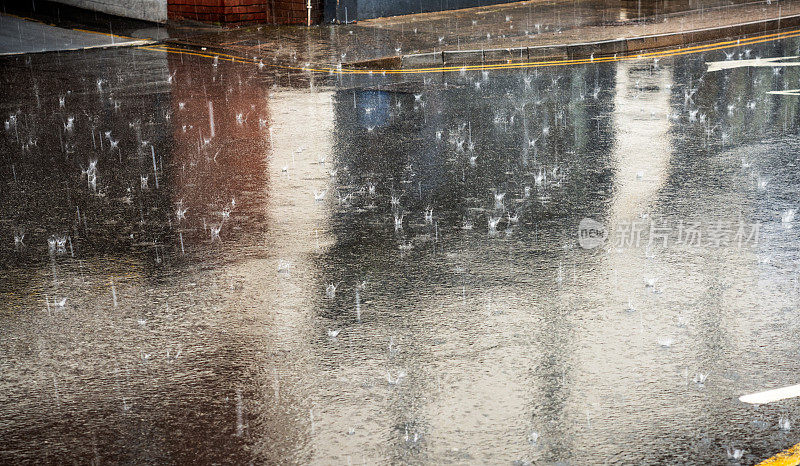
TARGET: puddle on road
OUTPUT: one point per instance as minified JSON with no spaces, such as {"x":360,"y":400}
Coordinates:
{"x":208,"y":262}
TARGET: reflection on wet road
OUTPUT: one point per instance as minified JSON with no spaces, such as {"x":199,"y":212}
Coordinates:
{"x":205,"y":261}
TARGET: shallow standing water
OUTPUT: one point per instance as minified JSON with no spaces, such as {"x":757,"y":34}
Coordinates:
{"x":212,"y":262}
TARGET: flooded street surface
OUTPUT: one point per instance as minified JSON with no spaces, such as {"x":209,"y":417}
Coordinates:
{"x":214,"y":262}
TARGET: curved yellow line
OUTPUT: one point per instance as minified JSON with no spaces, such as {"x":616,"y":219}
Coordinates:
{"x":498,"y":66}
{"x":103,"y":33}
{"x":790,"y":457}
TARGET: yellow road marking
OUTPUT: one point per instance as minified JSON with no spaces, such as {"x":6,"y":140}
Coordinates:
{"x":105,"y":34}
{"x":499,"y":66}
{"x":789,"y":457}
{"x":23,"y":17}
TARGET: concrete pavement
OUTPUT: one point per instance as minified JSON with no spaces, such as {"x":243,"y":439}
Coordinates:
{"x":20,"y":35}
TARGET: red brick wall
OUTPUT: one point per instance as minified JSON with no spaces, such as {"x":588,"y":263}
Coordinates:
{"x":235,"y":12}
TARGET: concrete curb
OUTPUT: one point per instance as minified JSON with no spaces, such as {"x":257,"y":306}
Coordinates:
{"x":583,"y":50}
{"x":129,"y":43}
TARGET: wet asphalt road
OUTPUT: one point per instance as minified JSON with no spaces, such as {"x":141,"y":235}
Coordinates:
{"x":203,"y":261}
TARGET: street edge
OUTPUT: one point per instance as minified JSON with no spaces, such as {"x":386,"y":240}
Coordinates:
{"x":580,"y":50}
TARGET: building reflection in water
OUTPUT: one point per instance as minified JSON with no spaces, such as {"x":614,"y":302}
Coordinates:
{"x":357,"y":302}
{"x":220,"y":145}
{"x":288,"y":419}
{"x":446,"y":295}
{"x":137,"y":342}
